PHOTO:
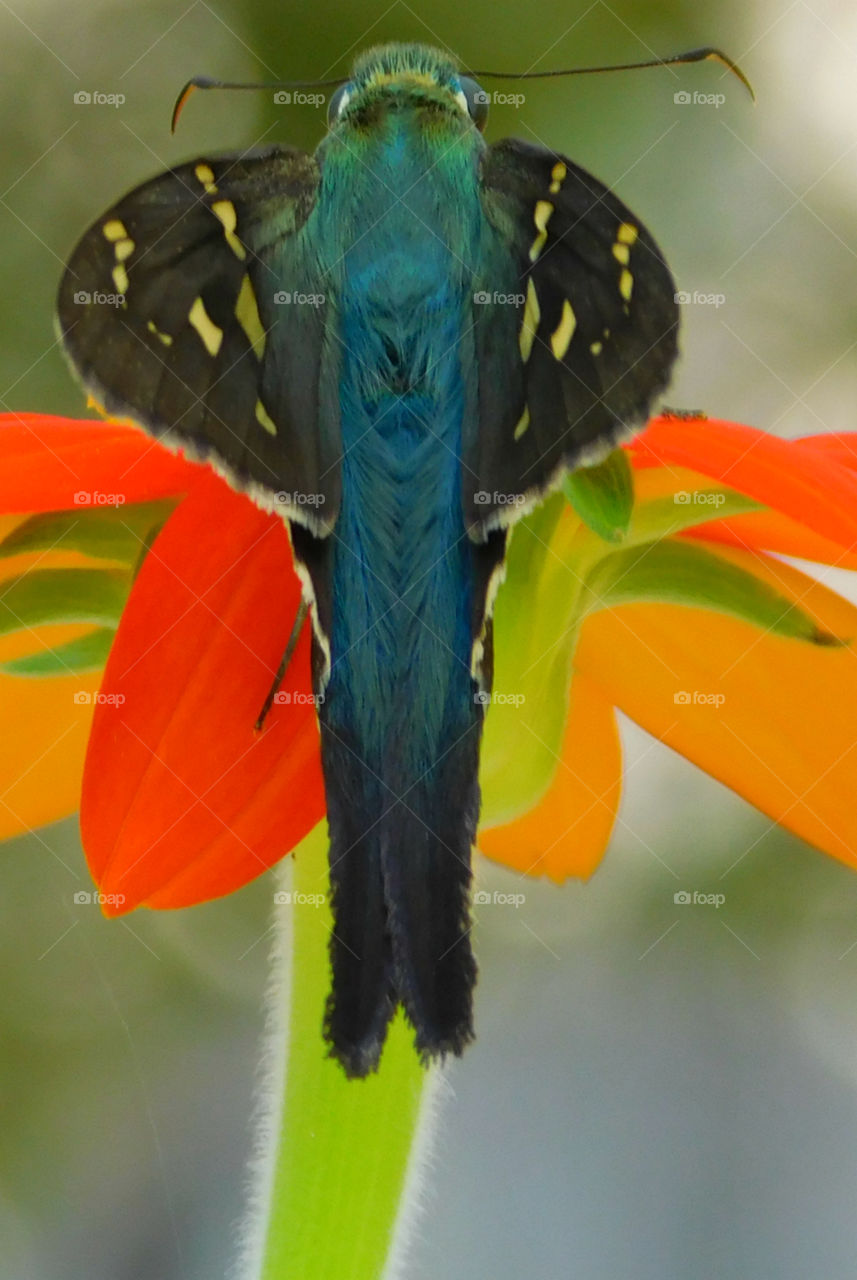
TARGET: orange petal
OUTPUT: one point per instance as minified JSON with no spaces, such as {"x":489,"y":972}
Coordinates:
{"x":183,"y":800}
{"x":802,"y":482}
{"x":771,"y":531}
{"x":41,"y":753}
{"x":50,"y":464}
{"x":568,"y":830}
{"x":783,"y":736}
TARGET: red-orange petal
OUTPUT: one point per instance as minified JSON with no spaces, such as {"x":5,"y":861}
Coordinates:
{"x":770,"y":531}
{"x":783,"y":735}
{"x":48,"y":462}
{"x":567,"y":832}
{"x":183,"y":801}
{"x":802,"y":482}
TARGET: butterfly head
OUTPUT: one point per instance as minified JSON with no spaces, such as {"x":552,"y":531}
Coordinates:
{"x":404,"y":75}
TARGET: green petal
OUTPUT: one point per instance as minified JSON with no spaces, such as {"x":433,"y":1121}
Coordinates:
{"x":663,"y":517}
{"x":603,"y":496}
{"x":679,"y":572}
{"x":105,"y":533}
{"x":86,"y":653}
{"x":63,"y":595}
{"x":537,"y":615}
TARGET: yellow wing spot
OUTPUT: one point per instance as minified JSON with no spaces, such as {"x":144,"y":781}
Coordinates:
{"x":621,"y":253}
{"x":114,"y":230}
{"x":523,"y":422}
{"x":205,"y":174}
{"x":530,"y":322}
{"x":558,"y":175}
{"x":627,"y":234}
{"x":264,"y":419}
{"x":596,"y":348}
{"x":211,"y":335}
{"x":225,"y":211}
{"x":247,"y":315}
{"x":562,"y":334}
{"x":120,"y":278}
{"x":162,"y":337}
{"x":541,"y":216}
{"x":626,"y":284}
{"x":123,"y":249}
{"x":606,"y":333}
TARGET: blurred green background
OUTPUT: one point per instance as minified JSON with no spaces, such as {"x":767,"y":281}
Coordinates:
{"x":657,"y":1091}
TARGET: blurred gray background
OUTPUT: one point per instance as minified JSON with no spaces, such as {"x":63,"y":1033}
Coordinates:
{"x":658,"y":1091}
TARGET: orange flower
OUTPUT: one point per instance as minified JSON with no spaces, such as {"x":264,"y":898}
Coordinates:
{"x":772,"y":716}
{"x":181,"y":799}
{"x":690,"y":622}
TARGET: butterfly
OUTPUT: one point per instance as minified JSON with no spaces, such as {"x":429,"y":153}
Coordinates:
{"x":400,"y":343}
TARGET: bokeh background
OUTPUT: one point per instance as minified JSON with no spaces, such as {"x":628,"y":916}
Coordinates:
{"x":658,"y":1091}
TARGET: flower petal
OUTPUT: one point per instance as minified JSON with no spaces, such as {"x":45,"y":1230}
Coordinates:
{"x":51,"y":463}
{"x":770,"y":531}
{"x":41,"y":753}
{"x":783,"y":735}
{"x":568,"y":830}
{"x":183,"y":800}
{"x":809,"y":484}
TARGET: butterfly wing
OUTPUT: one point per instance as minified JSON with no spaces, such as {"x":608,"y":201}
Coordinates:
{"x":575,"y":326}
{"x":196,"y":308}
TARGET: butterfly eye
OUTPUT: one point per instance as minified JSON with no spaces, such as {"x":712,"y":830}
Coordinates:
{"x":477,"y":100}
{"x":338,"y":103}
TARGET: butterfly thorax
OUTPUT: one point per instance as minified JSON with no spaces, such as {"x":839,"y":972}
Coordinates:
{"x":402,"y":275}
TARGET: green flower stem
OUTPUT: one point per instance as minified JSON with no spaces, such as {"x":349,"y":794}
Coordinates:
{"x":342,"y":1164}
